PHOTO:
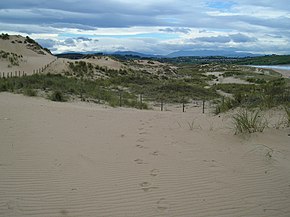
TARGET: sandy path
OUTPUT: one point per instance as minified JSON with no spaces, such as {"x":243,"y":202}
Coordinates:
{"x":61,"y":159}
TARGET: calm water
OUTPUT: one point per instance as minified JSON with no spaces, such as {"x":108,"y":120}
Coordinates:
{"x":282,"y":67}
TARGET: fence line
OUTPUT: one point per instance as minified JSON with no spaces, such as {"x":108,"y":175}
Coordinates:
{"x":184,"y":106}
{"x":18,"y":73}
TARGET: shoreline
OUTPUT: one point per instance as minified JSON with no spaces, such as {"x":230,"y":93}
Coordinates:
{"x":284,"y":72}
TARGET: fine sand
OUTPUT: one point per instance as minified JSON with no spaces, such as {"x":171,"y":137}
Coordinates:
{"x":73,"y":159}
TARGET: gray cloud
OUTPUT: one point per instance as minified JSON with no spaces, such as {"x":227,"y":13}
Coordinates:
{"x":69,"y":42}
{"x":238,"y":38}
{"x":176,"y":30}
{"x":170,"y":16}
{"x":84,"y":39}
{"x":214,"y":39}
{"x":241,"y":38}
{"x":112,"y":13}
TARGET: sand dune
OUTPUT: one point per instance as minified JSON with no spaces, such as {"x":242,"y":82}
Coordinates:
{"x":31,"y":58}
{"x":68,"y":159}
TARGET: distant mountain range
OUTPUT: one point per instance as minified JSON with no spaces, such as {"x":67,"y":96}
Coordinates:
{"x":181,"y":53}
{"x":204,"y":53}
{"x":186,"y":53}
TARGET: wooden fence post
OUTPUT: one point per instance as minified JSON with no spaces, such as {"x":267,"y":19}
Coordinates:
{"x":120,"y":99}
{"x":183,"y":105}
{"x":141,"y":101}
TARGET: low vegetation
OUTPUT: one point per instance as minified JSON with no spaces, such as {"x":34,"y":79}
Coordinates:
{"x":13,"y":58}
{"x":61,"y":88}
{"x":177,"y":80}
{"x":265,"y":96}
{"x":184,"y":84}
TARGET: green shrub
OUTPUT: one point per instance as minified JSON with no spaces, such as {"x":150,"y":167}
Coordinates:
{"x":57,"y":96}
{"x":246,"y":121}
{"x":4,"y":36}
{"x":29,"y":92}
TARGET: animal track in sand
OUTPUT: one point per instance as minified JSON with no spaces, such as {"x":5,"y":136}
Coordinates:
{"x":154,"y":172}
{"x":162,"y":204}
{"x":146,"y":186}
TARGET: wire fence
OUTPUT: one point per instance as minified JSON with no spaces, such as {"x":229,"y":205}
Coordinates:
{"x":183,"y":105}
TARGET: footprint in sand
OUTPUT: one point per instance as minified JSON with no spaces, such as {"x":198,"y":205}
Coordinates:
{"x":140,"y":146}
{"x":11,"y":205}
{"x":154,"y":172}
{"x":213,"y":164}
{"x":146,"y":186}
{"x":139,"y":161}
{"x":141,"y":140}
{"x":57,"y":163}
{"x":162,"y":205}
{"x":155,"y":153}
{"x":142,"y":133}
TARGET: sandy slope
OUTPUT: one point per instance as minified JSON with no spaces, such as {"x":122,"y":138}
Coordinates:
{"x":61,"y":159}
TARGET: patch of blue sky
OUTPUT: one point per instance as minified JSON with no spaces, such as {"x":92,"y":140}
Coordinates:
{"x":75,"y":35}
{"x":220,"y":5}
{"x":160,"y":36}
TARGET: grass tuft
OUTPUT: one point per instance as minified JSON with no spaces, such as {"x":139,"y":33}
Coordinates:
{"x":246,"y":121}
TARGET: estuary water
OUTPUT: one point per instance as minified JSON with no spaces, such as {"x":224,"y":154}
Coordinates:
{"x":280,"y":67}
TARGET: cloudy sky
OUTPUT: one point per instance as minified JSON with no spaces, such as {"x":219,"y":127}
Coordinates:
{"x":151,"y":26}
